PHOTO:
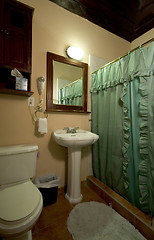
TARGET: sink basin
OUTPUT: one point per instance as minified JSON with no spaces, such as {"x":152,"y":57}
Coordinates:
{"x":79,"y":139}
{"x":74,"y":142}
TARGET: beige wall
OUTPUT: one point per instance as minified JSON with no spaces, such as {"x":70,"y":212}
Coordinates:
{"x":53,"y":30}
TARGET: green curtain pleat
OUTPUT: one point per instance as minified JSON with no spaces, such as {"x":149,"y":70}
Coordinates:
{"x":132,"y":99}
{"x":151,"y":142}
{"x":106,"y":107}
{"x":123,"y":117}
{"x":146,"y":144}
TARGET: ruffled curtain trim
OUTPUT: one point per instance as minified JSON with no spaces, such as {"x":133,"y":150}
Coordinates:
{"x":71,"y":97}
{"x":124,"y":70}
{"x":144,"y":167}
{"x":126,"y":126}
{"x":143,"y":147}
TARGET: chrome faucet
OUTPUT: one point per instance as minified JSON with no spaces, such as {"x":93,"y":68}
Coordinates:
{"x":71,"y":130}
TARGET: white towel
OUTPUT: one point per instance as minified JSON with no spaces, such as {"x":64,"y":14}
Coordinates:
{"x":42,"y":125}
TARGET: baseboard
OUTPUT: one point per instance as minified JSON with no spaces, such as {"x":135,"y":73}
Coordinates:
{"x":140,"y":220}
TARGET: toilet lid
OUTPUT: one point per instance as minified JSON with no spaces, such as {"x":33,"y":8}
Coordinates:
{"x":18,"y":201}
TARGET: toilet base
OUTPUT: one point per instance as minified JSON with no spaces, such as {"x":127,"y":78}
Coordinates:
{"x":25,"y":236}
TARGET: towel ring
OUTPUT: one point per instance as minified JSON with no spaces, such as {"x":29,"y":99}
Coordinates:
{"x":39,"y":110}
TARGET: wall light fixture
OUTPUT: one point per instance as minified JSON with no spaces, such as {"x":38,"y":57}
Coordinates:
{"x":75,"y":53}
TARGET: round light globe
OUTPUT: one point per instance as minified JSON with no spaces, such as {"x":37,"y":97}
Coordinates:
{"x":75,"y":53}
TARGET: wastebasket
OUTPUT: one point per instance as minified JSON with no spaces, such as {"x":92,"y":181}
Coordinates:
{"x":48,"y":186}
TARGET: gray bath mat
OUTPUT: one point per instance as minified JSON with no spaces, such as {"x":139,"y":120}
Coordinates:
{"x":96,"y":221}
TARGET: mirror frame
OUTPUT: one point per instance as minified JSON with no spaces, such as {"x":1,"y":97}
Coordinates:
{"x":51,"y":107}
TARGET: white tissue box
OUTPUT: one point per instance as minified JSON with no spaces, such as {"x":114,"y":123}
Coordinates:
{"x":21,"y":84}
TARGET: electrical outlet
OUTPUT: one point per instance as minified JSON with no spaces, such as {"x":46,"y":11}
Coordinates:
{"x":31,"y":101}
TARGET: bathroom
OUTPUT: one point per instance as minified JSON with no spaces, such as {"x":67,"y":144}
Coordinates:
{"x":53,"y":29}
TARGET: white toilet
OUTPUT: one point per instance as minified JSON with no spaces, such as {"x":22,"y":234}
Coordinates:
{"x":20,"y":201}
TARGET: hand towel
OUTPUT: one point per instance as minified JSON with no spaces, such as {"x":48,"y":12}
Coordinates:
{"x":42,"y":125}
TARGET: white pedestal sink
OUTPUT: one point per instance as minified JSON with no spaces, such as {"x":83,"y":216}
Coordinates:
{"x":74,"y":142}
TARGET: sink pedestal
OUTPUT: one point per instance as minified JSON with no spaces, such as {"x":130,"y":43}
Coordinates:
{"x":73,"y":194}
{"x":74,"y":141}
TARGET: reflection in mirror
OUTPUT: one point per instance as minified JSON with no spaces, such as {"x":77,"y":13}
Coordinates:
{"x":66,"y":84}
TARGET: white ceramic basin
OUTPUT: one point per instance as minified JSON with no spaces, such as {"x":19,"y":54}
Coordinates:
{"x":79,"y":139}
{"x":74,"y":142}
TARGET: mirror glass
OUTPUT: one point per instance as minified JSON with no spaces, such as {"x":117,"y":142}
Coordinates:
{"x":66,"y":84}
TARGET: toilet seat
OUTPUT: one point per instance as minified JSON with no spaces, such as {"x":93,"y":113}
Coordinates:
{"x":19,"y":200}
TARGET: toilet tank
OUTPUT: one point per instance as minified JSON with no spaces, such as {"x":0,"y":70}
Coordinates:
{"x":17,"y":163}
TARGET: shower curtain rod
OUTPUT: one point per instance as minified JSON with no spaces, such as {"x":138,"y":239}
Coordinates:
{"x":141,"y":45}
{"x":72,"y":83}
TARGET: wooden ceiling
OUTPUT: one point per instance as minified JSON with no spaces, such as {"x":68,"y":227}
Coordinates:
{"x":128,"y":19}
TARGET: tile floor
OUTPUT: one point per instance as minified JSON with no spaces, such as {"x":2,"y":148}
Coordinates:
{"x":52,"y":224}
{"x":140,"y":220}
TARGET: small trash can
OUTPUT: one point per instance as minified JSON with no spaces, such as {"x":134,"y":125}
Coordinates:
{"x":48,"y":186}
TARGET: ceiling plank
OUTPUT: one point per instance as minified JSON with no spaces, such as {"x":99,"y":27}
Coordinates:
{"x":128,"y":19}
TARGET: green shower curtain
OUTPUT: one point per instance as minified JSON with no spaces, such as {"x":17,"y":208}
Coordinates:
{"x":123,"y":117}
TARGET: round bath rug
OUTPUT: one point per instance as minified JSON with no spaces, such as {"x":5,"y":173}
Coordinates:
{"x":96,"y":221}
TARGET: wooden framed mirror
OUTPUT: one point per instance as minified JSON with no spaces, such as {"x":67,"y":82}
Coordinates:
{"x":66,"y":84}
